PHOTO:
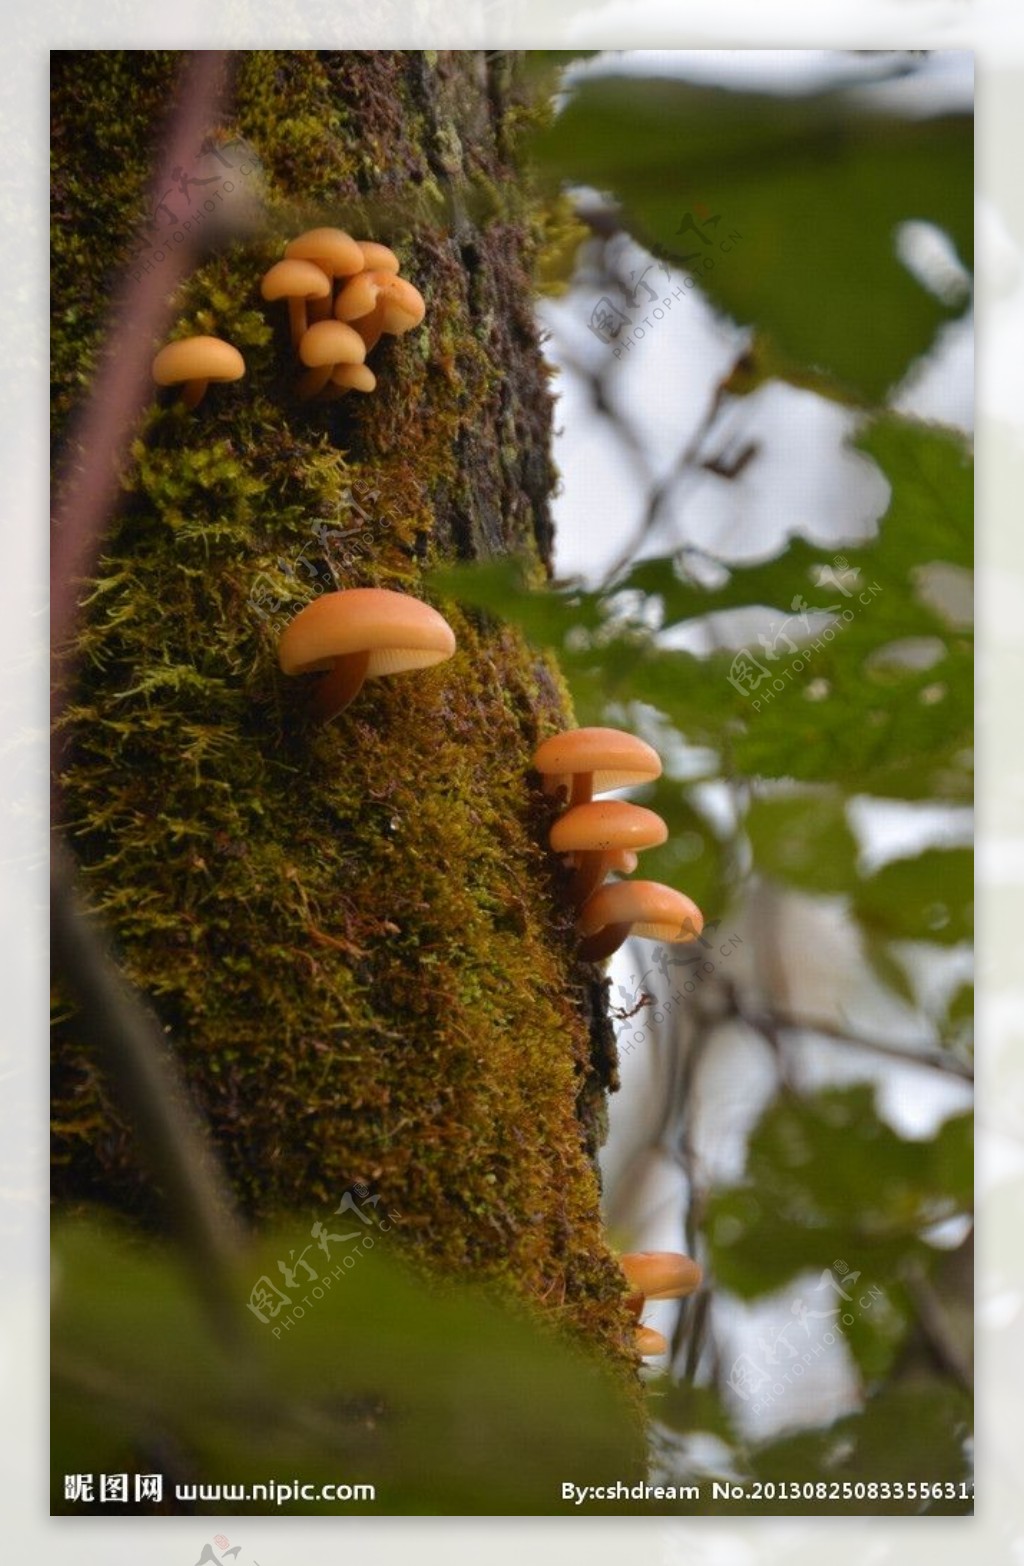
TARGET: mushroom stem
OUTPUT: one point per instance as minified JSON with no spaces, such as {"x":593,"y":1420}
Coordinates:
{"x":193,"y":393}
{"x":371,"y":327}
{"x":596,"y":947}
{"x":582,"y":788}
{"x":314,"y":380}
{"x":591,"y":868}
{"x":320,"y":309}
{"x":297,"y":319}
{"x":340,"y":685}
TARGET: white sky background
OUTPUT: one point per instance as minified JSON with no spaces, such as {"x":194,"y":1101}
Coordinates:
{"x":996,"y":29}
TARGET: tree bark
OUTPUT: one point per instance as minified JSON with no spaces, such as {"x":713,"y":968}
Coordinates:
{"x":354,"y":934}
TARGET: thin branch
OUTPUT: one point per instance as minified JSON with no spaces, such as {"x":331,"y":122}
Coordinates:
{"x":143,"y":1078}
{"x":936,"y":1329}
{"x":938,"y":1060}
{"x":660,"y":492}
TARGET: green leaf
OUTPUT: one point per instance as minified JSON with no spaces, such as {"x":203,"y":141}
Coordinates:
{"x":445,"y":1401}
{"x":804,"y":839}
{"x":692,"y":857}
{"x":827,"y":702}
{"x":926,"y":898}
{"x":785,"y":210}
{"x":827,"y":1179}
{"x":911,"y":1433}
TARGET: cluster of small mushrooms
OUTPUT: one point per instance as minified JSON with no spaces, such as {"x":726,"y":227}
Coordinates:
{"x":598,"y":836}
{"x":657,"y":1275}
{"x":343,"y":295}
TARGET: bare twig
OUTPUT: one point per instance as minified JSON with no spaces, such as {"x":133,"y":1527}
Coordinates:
{"x":938,"y":1060}
{"x":686,"y":462}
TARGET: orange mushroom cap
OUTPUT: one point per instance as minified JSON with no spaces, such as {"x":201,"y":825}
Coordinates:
{"x":331,"y":342}
{"x":331,"y":249}
{"x":597,"y":835}
{"x":606,"y":825}
{"x":381,"y":302}
{"x":326,"y":345}
{"x":661,"y":1275}
{"x":377,"y":257}
{"x":295,"y":280}
{"x":648,"y":1342}
{"x":352,"y":377}
{"x":193,"y":362}
{"x":592,"y":760}
{"x":645,"y":908}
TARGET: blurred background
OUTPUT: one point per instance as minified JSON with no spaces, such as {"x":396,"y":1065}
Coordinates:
{"x":764,"y":359}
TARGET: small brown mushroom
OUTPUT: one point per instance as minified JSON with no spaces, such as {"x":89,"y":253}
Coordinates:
{"x":326,"y":345}
{"x":648,"y":1342}
{"x":193,"y":362}
{"x":336,"y":254}
{"x":661,"y":1275}
{"x":296,"y":281}
{"x":621,"y":908}
{"x":358,"y":635}
{"x":379,"y":302}
{"x":596,"y":833}
{"x":377,"y":257}
{"x":591,"y":761}
{"x":350,"y":377}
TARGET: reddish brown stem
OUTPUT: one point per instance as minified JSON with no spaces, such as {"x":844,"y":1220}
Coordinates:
{"x":193,"y":393}
{"x":340,"y":685}
{"x":591,"y":868}
{"x":596,"y":947}
{"x":582,"y":788}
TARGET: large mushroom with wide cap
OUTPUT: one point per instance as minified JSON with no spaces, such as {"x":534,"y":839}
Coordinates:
{"x":193,"y":362}
{"x":597,"y":835}
{"x":360,"y":634}
{"x":585,"y":762}
{"x":646,"y":908}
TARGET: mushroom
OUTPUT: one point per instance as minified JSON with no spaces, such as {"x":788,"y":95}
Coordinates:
{"x":326,"y":345}
{"x":648,"y":1342}
{"x":660,"y":1275}
{"x":589,"y":761}
{"x":597,"y":833}
{"x":295,"y":281}
{"x":334,"y":252}
{"x":646,"y":908}
{"x":377,"y":257}
{"x":378,"y":302}
{"x":194,"y":362}
{"x":359,"y":635}
{"x":350,"y":377}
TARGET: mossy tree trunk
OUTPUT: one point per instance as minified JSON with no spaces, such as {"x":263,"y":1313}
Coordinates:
{"x":353,"y":935}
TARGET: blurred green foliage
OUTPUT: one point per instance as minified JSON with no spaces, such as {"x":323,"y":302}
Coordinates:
{"x":812,"y":188}
{"x":855,"y":684}
{"x":450,"y":1402}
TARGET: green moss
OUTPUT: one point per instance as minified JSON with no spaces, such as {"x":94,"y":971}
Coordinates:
{"x":352,"y":934}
